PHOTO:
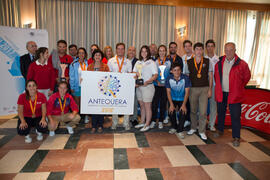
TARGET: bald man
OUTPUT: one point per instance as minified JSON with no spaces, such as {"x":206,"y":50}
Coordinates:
{"x":28,"y":58}
{"x":231,"y":76}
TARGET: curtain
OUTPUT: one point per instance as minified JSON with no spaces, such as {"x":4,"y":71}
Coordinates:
{"x":260,"y":65}
{"x":76,"y":22}
{"x":10,"y":13}
{"x":85,"y":23}
{"x":236,"y":29}
{"x":206,"y":23}
{"x":137,"y":25}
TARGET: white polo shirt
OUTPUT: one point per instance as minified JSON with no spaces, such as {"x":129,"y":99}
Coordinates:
{"x":213,"y":60}
{"x":113,"y":66}
{"x":148,"y":70}
{"x":184,"y":61}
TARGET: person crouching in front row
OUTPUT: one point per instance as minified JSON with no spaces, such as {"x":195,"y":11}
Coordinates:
{"x":31,"y":112}
{"x":58,"y":107}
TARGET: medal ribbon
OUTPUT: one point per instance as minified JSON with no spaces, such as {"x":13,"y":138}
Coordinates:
{"x":33,"y":109}
{"x":120,"y":66}
{"x":162,"y":61}
{"x":62,"y":107}
{"x":195,"y":62}
{"x":83,"y":67}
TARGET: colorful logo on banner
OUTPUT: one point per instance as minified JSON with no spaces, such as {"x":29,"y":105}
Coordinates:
{"x":109,"y":85}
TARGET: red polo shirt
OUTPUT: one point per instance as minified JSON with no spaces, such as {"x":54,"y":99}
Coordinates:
{"x":41,"y":99}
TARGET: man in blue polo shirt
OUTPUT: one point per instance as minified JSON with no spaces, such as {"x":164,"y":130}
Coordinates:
{"x":177,"y":87}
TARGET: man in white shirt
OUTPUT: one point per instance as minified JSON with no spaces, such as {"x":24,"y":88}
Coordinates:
{"x":210,"y":48}
{"x":187,"y":44}
{"x":122,"y":65}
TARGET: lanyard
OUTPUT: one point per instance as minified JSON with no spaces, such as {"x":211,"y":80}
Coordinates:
{"x":120,"y":66}
{"x":33,"y":109}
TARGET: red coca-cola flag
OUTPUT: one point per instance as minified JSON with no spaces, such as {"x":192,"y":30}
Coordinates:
{"x":255,"y":110}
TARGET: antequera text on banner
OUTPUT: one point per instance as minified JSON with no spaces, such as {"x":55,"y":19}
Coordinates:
{"x":107,"y":93}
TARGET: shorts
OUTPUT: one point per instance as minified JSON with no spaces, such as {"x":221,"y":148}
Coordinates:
{"x":145,"y":93}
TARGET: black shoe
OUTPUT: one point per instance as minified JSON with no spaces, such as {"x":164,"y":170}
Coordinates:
{"x":236,"y":142}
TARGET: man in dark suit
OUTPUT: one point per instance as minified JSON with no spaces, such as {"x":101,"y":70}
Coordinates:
{"x":131,"y":55}
{"x":28,"y":58}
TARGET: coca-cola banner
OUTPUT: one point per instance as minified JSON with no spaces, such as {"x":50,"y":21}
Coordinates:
{"x":255,"y":110}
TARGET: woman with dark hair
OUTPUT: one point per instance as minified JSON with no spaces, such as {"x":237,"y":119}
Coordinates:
{"x":42,"y":72}
{"x":160,"y":97}
{"x":146,"y":70}
{"x":94,"y":47}
{"x":75,"y":71}
{"x":31,"y":112}
{"x":98,"y":65}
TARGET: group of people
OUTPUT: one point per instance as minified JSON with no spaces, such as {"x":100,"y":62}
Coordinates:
{"x":168,"y":86}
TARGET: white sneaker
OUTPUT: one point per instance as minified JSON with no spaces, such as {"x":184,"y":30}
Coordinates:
{"x":28,"y":139}
{"x":187,"y":123}
{"x":203,"y":136}
{"x":152,"y":125}
{"x":52,"y":133}
{"x":166,"y":120}
{"x":160,"y":125}
{"x":145,"y":128}
{"x":39,"y":136}
{"x":181,"y":135}
{"x":86,"y":119}
{"x":172,"y":131}
{"x":191,"y":131}
{"x":212,"y":128}
{"x":70,"y":130}
{"x":140,"y":125}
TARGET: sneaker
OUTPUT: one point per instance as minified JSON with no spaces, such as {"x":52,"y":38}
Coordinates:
{"x":187,"y":123}
{"x":100,"y":130}
{"x":28,"y":139}
{"x":172,"y":131}
{"x":52,"y":133}
{"x":145,"y":128}
{"x":93,"y":130}
{"x":166,"y":120}
{"x":160,"y":125}
{"x":139,"y":125}
{"x":86,"y":119}
{"x":236,"y":142}
{"x":212,"y":128}
{"x":70,"y":130}
{"x":203,"y":136}
{"x":181,"y":135}
{"x":39,"y":136}
{"x":191,"y":131}
{"x":152,"y":125}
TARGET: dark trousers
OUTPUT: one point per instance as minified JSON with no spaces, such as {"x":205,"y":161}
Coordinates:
{"x":97,"y":121}
{"x":235,"y":111}
{"x":160,"y":98}
{"x":31,"y":122}
{"x":181,"y":119}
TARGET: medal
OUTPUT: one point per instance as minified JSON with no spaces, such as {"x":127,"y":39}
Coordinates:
{"x":62,"y":106}
{"x":120,"y":66}
{"x":199,"y":71}
{"x":33,"y":109}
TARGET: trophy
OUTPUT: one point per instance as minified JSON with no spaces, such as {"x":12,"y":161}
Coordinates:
{"x":63,"y":68}
{"x":139,"y":81}
{"x":162,"y":69}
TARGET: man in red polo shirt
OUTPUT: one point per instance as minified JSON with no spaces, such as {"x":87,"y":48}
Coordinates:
{"x":60,"y":61}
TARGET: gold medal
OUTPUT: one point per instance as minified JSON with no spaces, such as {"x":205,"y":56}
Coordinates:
{"x":200,"y":69}
{"x":33,"y":116}
{"x":199,"y":75}
{"x":62,"y":113}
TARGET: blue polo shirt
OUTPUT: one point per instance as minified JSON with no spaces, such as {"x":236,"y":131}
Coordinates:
{"x":178,"y":86}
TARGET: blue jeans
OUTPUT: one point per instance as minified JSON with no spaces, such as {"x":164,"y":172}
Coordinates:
{"x":235,"y":111}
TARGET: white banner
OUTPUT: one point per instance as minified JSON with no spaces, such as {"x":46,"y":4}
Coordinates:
{"x":107,"y":93}
{"x":12,"y":46}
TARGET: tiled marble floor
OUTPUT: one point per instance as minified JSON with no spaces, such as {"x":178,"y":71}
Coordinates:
{"x":121,"y":155}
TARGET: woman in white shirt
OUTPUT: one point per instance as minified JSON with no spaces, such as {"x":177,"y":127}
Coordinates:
{"x":145,"y":69}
